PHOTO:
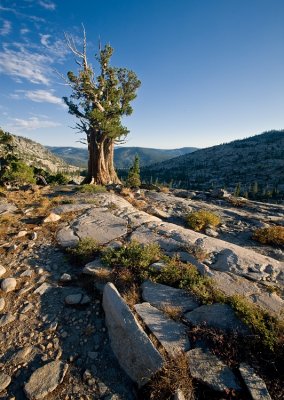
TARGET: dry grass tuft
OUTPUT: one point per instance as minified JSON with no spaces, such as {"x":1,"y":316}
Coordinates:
{"x":173,"y":312}
{"x":173,"y":376}
{"x":132,"y":295}
{"x":272,"y":235}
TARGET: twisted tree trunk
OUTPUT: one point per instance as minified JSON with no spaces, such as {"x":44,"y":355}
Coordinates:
{"x":100,"y":163}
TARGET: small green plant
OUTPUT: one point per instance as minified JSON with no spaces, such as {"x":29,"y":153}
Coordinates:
{"x":202,"y":219}
{"x":271,"y":235}
{"x":87,"y":188}
{"x":84,"y":252}
{"x":133,"y":256}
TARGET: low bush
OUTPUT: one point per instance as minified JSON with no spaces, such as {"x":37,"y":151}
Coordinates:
{"x":133,"y":256}
{"x":87,"y":188}
{"x":84,"y":252}
{"x":202,"y":219}
{"x":18,"y":172}
{"x":271,"y":235}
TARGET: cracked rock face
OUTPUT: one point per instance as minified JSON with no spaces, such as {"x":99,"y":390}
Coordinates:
{"x":98,"y":224}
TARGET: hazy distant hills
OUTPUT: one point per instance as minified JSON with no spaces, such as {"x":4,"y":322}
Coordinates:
{"x":123,"y":156}
{"x":258,"y":159}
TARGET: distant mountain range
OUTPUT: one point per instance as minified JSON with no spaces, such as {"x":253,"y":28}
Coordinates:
{"x":257,"y":160}
{"x":123,"y":156}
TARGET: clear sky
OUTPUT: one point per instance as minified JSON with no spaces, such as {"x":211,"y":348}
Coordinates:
{"x":211,"y":70}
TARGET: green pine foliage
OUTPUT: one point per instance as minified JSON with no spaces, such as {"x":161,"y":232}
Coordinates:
{"x":133,"y":179}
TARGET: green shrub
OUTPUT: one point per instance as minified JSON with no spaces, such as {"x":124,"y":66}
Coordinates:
{"x":58,"y":179}
{"x":19,"y":172}
{"x":271,"y":235}
{"x":202,"y":219}
{"x":264,"y":325}
{"x":87,"y":188}
{"x":133,"y":256}
{"x":84,"y":252}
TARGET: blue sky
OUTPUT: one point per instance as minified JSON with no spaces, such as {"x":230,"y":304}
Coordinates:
{"x":211,"y":70}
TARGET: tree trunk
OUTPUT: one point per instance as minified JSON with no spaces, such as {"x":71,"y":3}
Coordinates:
{"x":100,"y":163}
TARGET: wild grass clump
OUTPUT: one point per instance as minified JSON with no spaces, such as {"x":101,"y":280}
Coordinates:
{"x":272,"y":235}
{"x":202,"y":219}
{"x":84,"y":252}
{"x":87,"y":188}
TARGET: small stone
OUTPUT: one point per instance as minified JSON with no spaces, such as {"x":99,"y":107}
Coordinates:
{"x":27,"y":307}
{"x":93,"y":355}
{"x":179,"y":395}
{"x":52,"y":217}
{"x":7,"y":319}
{"x":21,"y":356}
{"x":22,"y":234}
{"x":2,"y":270}
{"x":45,"y":380}
{"x":5,"y":381}
{"x":65,"y":278}
{"x":33,"y":236}
{"x":254,"y":383}
{"x":28,"y":273}
{"x":13,"y":247}
{"x":42,"y":288}
{"x":72,"y":299}
{"x":2,"y":304}
{"x":8,"y":284}
{"x":85,"y":300}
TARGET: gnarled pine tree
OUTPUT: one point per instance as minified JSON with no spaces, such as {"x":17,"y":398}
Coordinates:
{"x":100,"y":102}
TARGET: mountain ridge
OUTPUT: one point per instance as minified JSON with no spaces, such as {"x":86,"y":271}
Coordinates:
{"x":258,"y":158}
{"x":123,"y":156}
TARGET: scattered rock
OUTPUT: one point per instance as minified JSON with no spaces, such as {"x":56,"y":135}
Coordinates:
{"x":8,"y":285}
{"x":211,"y":371}
{"x":161,"y":296}
{"x":22,"y":355}
{"x":220,"y":316}
{"x":2,"y":270}
{"x":52,"y":217}
{"x":65,"y":278}
{"x":6,"y":319}
{"x":77,"y":298}
{"x":2,"y":304}
{"x":254,"y":383}
{"x":171,"y":334}
{"x":179,"y":395}
{"x":5,"y":381}
{"x":96,"y":268}
{"x":45,"y":379}
{"x":43,"y":288}
{"x":22,"y":234}
{"x":33,"y":236}
{"x":135,"y":352}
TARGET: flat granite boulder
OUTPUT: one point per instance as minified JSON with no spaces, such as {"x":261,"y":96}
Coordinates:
{"x":220,"y":316}
{"x":254,"y":383}
{"x":161,"y":296}
{"x":96,"y":223}
{"x":45,"y":379}
{"x":172,"y":335}
{"x":211,"y":371}
{"x":135,"y":352}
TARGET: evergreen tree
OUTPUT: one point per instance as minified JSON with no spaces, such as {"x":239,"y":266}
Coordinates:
{"x":237,"y":190}
{"x":99,"y":101}
{"x":133,"y":179}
